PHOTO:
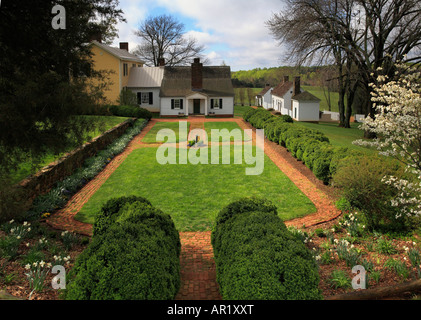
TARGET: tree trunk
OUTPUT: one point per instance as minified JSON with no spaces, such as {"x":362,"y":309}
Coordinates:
{"x":380,"y":293}
{"x":341,"y":101}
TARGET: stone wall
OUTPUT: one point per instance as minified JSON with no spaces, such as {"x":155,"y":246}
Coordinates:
{"x":43,"y":181}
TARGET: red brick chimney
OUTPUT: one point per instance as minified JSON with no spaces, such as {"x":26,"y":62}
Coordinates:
{"x":161,"y":62}
{"x":197,"y":75}
{"x":297,"y":86}
{"x":96,"y":36}
{"x":124,"y":46}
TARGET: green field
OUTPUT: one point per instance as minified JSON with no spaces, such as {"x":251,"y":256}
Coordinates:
{"x":194,"y":194}
{"x":174,"y":126}
{"x":237,"y":100}
{"x":230,"y":126}
{"x":103,"y":124}
{"x":340,"y":136}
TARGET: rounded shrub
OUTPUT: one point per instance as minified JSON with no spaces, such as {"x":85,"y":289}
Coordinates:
{"x":257,"y":258}
{"x":249,"y":113}
{"x":135,"y":258}
{"x":274,"y":129}
{"x":286,"y":118}
{"x":360,"y":180}
{"x":111,"y":210}
{"x":258,"y":119}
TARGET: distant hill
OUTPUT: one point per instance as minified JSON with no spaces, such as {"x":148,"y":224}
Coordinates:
{"x":258,"y":78}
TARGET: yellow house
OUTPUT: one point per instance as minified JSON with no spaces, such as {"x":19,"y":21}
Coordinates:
{"x":118,"y":61}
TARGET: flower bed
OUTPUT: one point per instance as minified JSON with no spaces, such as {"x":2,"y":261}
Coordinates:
{"x":338,"y":246}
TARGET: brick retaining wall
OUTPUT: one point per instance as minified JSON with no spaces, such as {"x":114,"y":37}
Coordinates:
{"x":43,"y":181}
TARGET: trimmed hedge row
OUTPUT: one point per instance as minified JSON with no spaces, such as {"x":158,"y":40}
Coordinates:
{"x":133,"y":255}
{"x":257,"y":258}
{"x":311,"y":147}
{"x":130,"y":111}
{"x":120,"y":111}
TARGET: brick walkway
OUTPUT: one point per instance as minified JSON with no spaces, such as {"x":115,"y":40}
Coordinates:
{"x":198,"y":277}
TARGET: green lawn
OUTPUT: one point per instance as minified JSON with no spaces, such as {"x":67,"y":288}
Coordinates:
{"x":194,"y":194}
{"x":209,"y":126}
{"x":239,"y":111}
{"x":103,"y":123}
{"x":340,"y":136}
{"x":174,"y":126}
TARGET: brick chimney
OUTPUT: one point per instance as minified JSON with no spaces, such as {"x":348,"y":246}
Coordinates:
{"x":161,"y":62}
{"x":297,"y":86}
{"x":96,"y":36}
{"x":124,"y":46}
{"x":197,"y":75}
{"x":286,"y":79}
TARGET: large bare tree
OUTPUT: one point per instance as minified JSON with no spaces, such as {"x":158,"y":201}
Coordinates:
{"x":363,"y":38}
{"x":163,"y":37}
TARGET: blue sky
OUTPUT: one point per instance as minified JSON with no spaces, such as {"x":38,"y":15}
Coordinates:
{"x":232,"y":31}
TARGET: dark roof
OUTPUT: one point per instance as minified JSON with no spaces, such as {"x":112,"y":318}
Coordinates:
{"x":282,"y":88}
{"x":264,"y":91}
{"x":216,"y":82}
{"x":305,"y":96}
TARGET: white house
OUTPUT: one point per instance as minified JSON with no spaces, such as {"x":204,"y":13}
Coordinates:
{"x":187,"y":90}
{"x":305,"y":107}
{"x":197,"y":90}
{"x":281,"y":97}
{"x":264,"y":98}
{"x":289,"y":99}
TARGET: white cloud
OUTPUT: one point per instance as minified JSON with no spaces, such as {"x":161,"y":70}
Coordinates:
{"x":235,"y":30}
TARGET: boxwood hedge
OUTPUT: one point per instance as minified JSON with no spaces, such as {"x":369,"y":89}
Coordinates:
{"x":133,"y":255}
{"x":257,"y":258}
{"x":307,"y":145}
{"x":129,"y":111}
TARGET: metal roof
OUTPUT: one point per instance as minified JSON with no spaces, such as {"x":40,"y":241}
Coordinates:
{"x":146,"y":77}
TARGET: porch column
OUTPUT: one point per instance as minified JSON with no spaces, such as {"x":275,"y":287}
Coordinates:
{"x":187,"y":107}
{"x":206,"y":107}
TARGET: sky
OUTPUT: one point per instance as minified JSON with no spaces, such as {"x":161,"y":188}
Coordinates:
{"x":232,"y":31}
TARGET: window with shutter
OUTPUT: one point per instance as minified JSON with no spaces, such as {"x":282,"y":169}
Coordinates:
{"x":216,"y":103}
{"x":150,"y":97}
{"x":145,"y":98}
{"x":177,"y":104}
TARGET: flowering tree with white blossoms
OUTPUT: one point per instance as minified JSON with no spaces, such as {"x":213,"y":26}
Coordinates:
{"x":397,"y":125}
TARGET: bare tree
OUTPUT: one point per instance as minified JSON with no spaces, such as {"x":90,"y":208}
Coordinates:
{"x":363,"y":38}
{"x":242,"y":94}
{"x":250,"y":96}
{"x":163,"y":37}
